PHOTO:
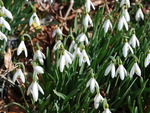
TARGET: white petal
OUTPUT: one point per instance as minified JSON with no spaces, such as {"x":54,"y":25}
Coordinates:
{"x":35,"y":91}
{"x":92,"y":86}
{"x":29,"y":89}
{"x":88,"y":83}
{"x":40,"y":89}
{"x":107,"y":70}
{"x":113,"y":71}
{"x":38,"y":69}
{"x":132,"y":71}
{"x":62,"y":63}
{"x":120,"y":24}
{"x":137,"y":69}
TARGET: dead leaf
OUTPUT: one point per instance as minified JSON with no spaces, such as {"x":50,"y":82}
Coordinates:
{"x":8,"y":60}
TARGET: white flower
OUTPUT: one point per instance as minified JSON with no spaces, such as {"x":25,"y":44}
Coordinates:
{"x":125,"y":2}
{"x":21,"y":48}
{"x":34,"y":18}
{"x":77,"y":52}
{"x":121,"y":71}
{"x":139,"y":14}
{"x":97,"y":99}
{"x":3,"y":36}
{"x":122,"y":22}
{"x":57,"y":45}
{"x":135,"y":69}
{"x":87,"y":20}
{"x":111,"y":68}
{"x":106,"y":25}
{"x":88,"y":5}
{"x":65,"y":59}
{"x":20,"y":75}
{"x":56,"y":31}
{"x":6,"y":12}
{"x":4,"y":23}
{"x":33,"y":89}
{"x":82,"y":37}
{"x":93,"y":84}
{"x":126,"y":14}
{"x":38,"y":69}
{"x":84,"y":58}
{"x":72,"y":45}
{"x":106,"y":110}
{"x":125,"y":49}
{"x":133,"y":41}
{"x":40,"y":56}
{"x":147,"y":60}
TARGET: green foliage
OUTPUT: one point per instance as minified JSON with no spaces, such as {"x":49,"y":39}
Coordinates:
{"x":66,"y":92}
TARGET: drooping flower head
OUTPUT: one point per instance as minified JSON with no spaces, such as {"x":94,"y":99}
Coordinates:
{"x":107,"y":24}
{"x":126,"y":48}
{"x":92,"y":83}
{"x":4,"y":23}
{"x":139,"y":15}
{"x":122,"y":22}
{"x":19,"y":74}
{"x":3,"y":36}
{"x":22,"y":47}
{"x":110,"y":68}
{"x":39,"y":55}
{"x":147,"y":60}
{"x":34,"y":20}
{"x":88,"y":5}
{"x":33,"y":89}
{"x":121,"y":71}
{"x":97,"y":99}
{"x":135,"y":69}
{"x":87,"y":20}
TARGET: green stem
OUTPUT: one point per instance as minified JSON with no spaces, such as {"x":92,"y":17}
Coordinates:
{"x":26,"y":35}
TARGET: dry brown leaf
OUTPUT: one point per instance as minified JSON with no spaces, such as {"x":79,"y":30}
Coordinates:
{"x":8,"y":60}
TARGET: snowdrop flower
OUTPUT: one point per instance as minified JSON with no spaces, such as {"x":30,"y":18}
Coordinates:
{"x":56,"y":32}
{"x":82,"y":37}
{"x":121,"y":71}
{"x":139,"y":14}
{"x":122,"y":22}
{"x":19,"y":74}
{"x":111,"y":68}
{"x":33,"y":89}
{"x":57,"y":45}
{"x":125,"y":2}
{"x":34,"y":19}
{"x":65,"y":59}
{"x":135,"y":69}
{"x":107,"y":24}
{"x":3,"y":36}
{"x":93,"y":84}
{"x":134,"y":41}
{"x":71,"y":45}
{"x":21,"y":48}
{"x":97,"y":99}
{"x":126,"y":15}
{"x":88,"y":5}
{"x":4,"y":23}
{"x":40,"y":56}
{"x":106,"y":110}
{"x":87,"y":20}
{"x":125,"y":49}
{"x":77,"y":52}
{"x":6,"y":12}
{"x":147,"y":60}
{"x":38,"y":69}
{"x":84,"y":58}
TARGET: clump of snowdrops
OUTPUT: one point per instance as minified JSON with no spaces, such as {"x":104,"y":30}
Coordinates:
{"x":104,"y":68}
